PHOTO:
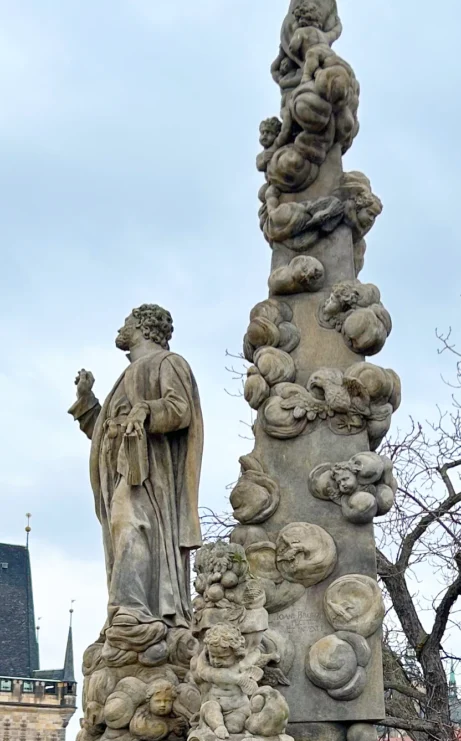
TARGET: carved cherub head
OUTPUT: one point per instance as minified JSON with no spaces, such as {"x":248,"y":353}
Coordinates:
{"x":269,"y":129}
{"x":150,"y":322}
{"x":343,"y":297}
{"x":161,"y":695}
{"x":287,"y":66}
{"x":225,"y":646}
{"x":362,"y":206}
{"x":345,"y":476}
{"x":368,"y":207}
{"x":308,"y":13}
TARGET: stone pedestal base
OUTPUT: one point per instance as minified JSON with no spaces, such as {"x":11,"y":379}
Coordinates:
{"x":332,"y":731}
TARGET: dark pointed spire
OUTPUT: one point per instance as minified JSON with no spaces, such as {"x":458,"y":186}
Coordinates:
{"x":68,"y":671}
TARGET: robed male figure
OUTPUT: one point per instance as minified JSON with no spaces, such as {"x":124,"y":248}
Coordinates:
{"x":145,"y":461}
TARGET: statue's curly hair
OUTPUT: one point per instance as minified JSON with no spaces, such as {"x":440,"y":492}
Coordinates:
{"x":164,"y":684}
{"x":274,"y":125}
{"x":155,"y":323}
{"x":308,"y":14}
{"x":346,"y":294}
{"x":346,"y":466}
{"x":226,"y":636}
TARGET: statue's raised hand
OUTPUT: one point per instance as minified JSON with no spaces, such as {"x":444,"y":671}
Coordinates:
{"x":84,"y":382}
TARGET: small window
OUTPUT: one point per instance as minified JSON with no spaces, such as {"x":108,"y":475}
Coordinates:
{"x":50,"y":689}
{"x":4,"y":565}
{"x":6,"y":685}
{"x":27,"y":686}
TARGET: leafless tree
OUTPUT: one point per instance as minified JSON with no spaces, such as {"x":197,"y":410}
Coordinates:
{"x":419,"y":542}
{"x":419,"y":565}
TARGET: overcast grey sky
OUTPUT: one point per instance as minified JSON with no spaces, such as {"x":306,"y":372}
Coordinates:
{"x":128,"y":133}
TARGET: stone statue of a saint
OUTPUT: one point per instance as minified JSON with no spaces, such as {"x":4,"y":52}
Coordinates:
{"x":145,"y":461}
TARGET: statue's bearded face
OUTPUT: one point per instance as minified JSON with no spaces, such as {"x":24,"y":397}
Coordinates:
{"x":124,"y":338}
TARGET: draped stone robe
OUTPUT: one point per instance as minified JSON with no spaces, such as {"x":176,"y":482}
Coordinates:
{"x":148,"y":526}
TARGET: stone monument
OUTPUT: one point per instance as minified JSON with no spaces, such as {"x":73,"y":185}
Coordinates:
{"x":311,"y":488}
{"x":146,"y":450}
{"x":287,"y":618}
{"x":237,"y":652}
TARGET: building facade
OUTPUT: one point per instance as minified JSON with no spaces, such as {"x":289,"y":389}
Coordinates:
{"x":35,"y":704}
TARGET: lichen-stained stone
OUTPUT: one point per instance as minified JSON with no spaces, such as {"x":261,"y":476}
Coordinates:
{"x":322,"y":411}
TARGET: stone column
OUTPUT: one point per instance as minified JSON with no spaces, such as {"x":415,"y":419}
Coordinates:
{"x":310,"y":490}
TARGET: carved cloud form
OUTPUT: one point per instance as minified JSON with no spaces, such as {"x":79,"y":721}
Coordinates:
{"x":354,"y":603}
{"x":355,"y":309}
{"x":256,"y":496}
{"x":337,"y":664}
{"x":364,"y":397}
{"x":305,"y":553}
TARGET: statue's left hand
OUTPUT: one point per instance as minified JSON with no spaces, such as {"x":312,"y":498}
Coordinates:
{"x":134,"y":424}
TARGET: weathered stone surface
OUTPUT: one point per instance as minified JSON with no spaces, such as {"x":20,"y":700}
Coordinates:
{"x":322,"y":410}
{"x":363,"y":487}
{"x":145,"y":462}
{"x":237,"y":651}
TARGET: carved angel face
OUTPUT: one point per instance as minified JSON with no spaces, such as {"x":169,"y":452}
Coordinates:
{"x":346,"y":481}
{"x":269,"y":129}
{"x":221,"y":657}
{"x":287,"y":66}
{"x":342,"y":298}
{"x":366,"y":218}
{"x":266,"y":137}
{"x":308,"y":14}
{"x":161,"y":701}
{"x":332,"y":305}
{"x":368,"y":207}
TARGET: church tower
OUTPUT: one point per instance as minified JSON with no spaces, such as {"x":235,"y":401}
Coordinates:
{"x":35,"y":704}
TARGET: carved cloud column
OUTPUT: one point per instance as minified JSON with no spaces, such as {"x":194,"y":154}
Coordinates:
{"x":310,"y":490}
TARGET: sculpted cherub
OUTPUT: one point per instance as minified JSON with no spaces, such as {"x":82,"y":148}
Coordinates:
{"x":154,"y":720}
{"x":303,"y":273}
{"x":308,"y":32}
{"x":229,"y":675}
{"x":355,"y":309}
{"x":364,"y":487}
{"x":311,"y":22}
{"x":362,"y":207}
{"x":287,"y":74}
{"x":343,"y":297}
{"x":269,"y":130}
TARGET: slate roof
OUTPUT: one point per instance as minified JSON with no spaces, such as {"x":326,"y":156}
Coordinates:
{"x":61,"y":675}
{"x":18,"y":645}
